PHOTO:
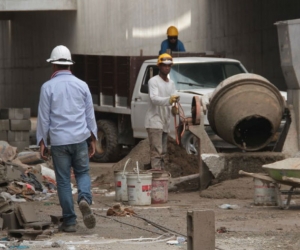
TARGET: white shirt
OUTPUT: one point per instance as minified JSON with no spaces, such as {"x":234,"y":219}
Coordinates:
{"x":159,"y":111}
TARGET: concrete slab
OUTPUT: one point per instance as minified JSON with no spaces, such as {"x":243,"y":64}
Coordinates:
{"x":27,"y":213}
{"x":20,"y":125}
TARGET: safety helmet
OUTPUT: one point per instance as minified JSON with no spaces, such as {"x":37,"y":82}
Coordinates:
{"x":165,"y":59}
{"x":61,"y":55}
{"x":172,"y":31}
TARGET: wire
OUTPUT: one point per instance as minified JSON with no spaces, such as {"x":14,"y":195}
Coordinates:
{"x":109,"y":217}
{"x":162,"y":228}
{"x":159,"y":226}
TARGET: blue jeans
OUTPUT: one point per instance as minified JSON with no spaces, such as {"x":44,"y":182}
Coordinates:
{"x":64,"y":157}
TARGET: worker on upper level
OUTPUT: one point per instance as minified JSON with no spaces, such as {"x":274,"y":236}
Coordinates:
{"x":172,"y":43}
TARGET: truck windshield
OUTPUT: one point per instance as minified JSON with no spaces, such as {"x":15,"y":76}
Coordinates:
{"x":202,"y":75}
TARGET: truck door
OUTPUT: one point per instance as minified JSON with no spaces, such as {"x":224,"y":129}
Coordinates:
{"x":140,"y":101}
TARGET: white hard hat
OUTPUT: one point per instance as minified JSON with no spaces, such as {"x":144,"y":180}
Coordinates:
{"x":61,"y":55}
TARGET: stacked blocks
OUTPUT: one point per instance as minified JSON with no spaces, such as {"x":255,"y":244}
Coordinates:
{"x":15,"y":126}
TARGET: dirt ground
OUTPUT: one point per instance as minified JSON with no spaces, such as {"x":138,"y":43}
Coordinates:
{"x":239,"y":226}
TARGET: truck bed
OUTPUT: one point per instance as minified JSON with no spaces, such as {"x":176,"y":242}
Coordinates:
{"x":111,"y":79}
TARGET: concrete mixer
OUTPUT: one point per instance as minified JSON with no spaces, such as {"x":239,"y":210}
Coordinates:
{"x":246,"y":110}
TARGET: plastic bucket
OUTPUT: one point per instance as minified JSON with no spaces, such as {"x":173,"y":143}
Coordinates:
{"x":160,"y":182}
{"x":139,"y":186}
{"x":121,"y":184}
{"x":264,"y":193}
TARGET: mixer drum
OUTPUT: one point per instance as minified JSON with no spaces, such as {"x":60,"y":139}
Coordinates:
{"x":246,"y":110}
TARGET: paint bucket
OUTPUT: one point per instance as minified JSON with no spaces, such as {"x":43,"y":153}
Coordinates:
{"x":121,"y":184}
{"x":160,"y":183}
{"x":264,"y":193}
{"x":139,"y":186}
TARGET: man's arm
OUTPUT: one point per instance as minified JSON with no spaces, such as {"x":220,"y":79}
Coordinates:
{"x":43,"y":122}
{"x":91,"y":123}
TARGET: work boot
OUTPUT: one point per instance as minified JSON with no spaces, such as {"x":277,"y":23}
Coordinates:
{"x":67,"y":228}
{"x":89,"y":219}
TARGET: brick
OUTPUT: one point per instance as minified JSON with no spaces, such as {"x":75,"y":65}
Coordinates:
{"x":3,"y":135}
{"x":4,"y":125}
{"x":20,"y":125}
{"x":17,"y":136}
{"x":15,"y":113}
{"x":201,"y":230}
{"x":20,"y":145}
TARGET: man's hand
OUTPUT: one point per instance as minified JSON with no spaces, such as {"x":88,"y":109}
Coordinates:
{"x":92,"y":147}
{"x":43,"y":150}
{"x":174,"y":110}
{"x":174,"y":98}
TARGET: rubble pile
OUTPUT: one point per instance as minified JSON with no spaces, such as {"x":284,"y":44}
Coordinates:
{"x":25,"y":177}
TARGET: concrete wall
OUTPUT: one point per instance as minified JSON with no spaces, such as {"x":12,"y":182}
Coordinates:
{"x":98,"y":27}
{"x":244,"y":30}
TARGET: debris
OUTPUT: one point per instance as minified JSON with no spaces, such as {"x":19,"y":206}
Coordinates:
{"x":118,"y":210}
{"x":222,"y":230}
{"x":228,"y":206}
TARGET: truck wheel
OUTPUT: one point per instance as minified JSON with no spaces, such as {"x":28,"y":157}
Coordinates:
{"x":107,"y":147}
{"x":190,"y":143}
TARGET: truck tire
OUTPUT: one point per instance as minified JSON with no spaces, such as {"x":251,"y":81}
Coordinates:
{"x":107,"y":147}
{"x":190,"y":143}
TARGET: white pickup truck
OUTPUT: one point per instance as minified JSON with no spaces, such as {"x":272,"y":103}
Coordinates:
{"x":119,"y":86}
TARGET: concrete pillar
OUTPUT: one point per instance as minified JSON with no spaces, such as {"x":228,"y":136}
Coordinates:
{"x":201,"y":230}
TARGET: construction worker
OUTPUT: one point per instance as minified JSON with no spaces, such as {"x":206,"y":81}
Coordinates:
{"x":66,"y":113}
{"x":172,"y":43}
{"x":157,"y":121}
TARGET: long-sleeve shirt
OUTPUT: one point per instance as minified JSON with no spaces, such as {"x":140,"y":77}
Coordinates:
{"x":166,"y":45}
{"x":159,"y":111}
{"x":65,"y":110}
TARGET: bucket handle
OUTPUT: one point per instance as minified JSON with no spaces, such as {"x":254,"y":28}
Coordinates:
{"x":137,"y":170}
{"x":125,"y":166}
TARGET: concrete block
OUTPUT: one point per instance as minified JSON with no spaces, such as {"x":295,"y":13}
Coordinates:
{"x":9,"y":173}
{"x":201,"y":230}
{"x":3,"y":135}
{"x":20,"y":145}
{"x":15,"y":113}
{"x":17,"y":136}
{"x":227,"y":166}
{"x":5,"y":207}
{"x":4,"y":125}
{"x":20,"y":125}
{"x":10,"y":221}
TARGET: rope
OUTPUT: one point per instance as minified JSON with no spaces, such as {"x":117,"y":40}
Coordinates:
{"x":182,"y":118}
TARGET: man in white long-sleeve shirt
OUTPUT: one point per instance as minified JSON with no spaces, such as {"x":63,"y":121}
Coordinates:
{"x":66,"y":114}
{"x":157,"y":121}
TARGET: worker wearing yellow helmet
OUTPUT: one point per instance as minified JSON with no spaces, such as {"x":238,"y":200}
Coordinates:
{"x":172,"y":43}
{"x":162,"y":95}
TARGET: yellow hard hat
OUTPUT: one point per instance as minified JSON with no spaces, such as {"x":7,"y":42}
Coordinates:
{"x":172,"y":31}
{"x":165,"y":59}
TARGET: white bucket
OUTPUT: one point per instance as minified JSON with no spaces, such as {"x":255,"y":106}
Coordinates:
{"x":121,"y":184}
{"x":264,"y":193}
{"x":139,"y":186}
